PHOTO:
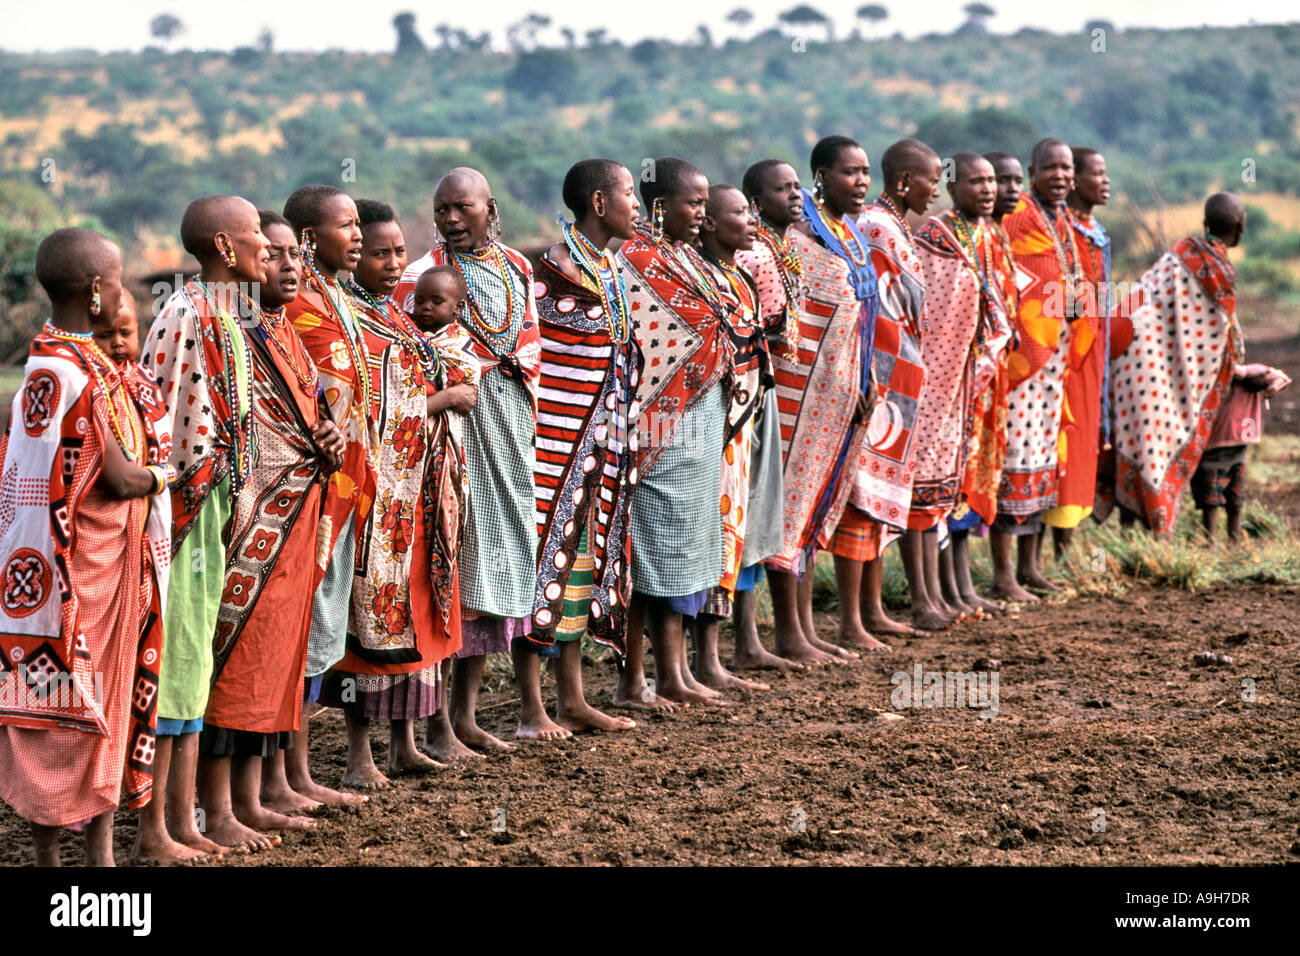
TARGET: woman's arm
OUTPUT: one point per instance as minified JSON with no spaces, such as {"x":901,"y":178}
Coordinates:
{"x":121,"y":478}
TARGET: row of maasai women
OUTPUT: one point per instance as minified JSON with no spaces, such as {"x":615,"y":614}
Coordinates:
{"x":335,"y":476}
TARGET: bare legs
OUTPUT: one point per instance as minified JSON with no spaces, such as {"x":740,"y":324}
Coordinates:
{"x":749,"y":652}
{"x":179,"y":809}
{"x":572,"y":712}
{"x":788,"y":605}
{"x":961,"y":571}
{"x":929,"y":613}
{"x":467,"y":675}
{"x":440,"y":740}
{"x":99,"y":842}
{"x":534,"y":722}
{"x":633,"y":692}
{"x":153,"y":844}
{"x":708,"y":668}
{"x":1005,"y":583}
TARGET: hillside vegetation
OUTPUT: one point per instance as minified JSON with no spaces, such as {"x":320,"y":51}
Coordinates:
{"x":127,"y":139}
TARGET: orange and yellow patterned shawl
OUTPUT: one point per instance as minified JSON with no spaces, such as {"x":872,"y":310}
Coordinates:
{"x":1037,"y":366}
{"x":338,"y":348}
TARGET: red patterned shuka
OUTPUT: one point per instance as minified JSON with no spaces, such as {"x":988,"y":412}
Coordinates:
{"x":84,"y":581}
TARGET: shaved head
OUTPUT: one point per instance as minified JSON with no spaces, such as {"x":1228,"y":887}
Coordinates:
{"x":67,"y":260}
{"x":206,"y":217}
{"x":965,"y":160}
{"x":907,"y":155}
{"x":718,"y":192}
{"x":1224,"y":214}
{"x":465,"y":179}
{"x":1041,"y":148}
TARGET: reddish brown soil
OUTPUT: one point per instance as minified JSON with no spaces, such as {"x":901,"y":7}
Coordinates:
{"x":1102,"y":711}
{"x":1110,"y":746}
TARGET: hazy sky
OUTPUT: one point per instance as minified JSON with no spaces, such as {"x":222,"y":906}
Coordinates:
{"x":223,"y":24}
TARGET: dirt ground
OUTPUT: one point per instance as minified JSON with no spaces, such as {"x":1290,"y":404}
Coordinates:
{"x":1110,"y":745}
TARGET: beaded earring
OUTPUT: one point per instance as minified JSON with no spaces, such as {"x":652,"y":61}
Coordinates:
{"x":228,"y":257}
{"x":308,"y":251}
{"x":657,"y":215}
{"x":96,"y":306}
{"x":494,"y":222}
{"x":818,"y":188}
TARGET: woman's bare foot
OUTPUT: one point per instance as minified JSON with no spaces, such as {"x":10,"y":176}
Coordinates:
{"x":161,"y":850}
{"x":678,"y":692}
{"x":865,"y":642}
{"x":442,"y":744}
{"x":228,"y":832}
{"x":541,"y":728}
{"x":804,"y":653}
{"x":583,"y":716}
{"x":187,"y":834}
{"x":1012,"y":591}
{"x":264,"y":818}
{"x":413,"y":763}
{"x":763,"y":659}
{"x":645,"y":700}
{"x":1036,"y":581}
{"x":878,"y":622}
{"x":840,"y":655}
{"x":930,"y":619}
{"x":982,"y":604}
{"x":323,"y":795}
{"x":719,"y":678}
{"x":472,"y":735}
{"x":364,"y":778}
{"x":283,"y":799}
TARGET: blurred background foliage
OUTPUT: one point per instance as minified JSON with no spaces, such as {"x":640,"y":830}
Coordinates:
{"x":126,"y":140}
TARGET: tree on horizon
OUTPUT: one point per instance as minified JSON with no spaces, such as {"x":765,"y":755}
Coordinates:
{"x":408,"y":40}
{"x":166,"y":27}
{"x":806,"y":16}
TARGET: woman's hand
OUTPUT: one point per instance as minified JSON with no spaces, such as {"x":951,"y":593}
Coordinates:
{"x":457,"y":398}
{"x":329,"y":442}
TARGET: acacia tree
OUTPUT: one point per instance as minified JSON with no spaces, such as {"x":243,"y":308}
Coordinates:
{"x":872,"y":13}
{"x":804,"y":16}
{"x":976,"y":15}
{"x":741,"y":18}
{"x":165,"y":27}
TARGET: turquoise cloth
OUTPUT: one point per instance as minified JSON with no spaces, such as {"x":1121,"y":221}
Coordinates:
{"x":765,"y":521}
{"x":331,"y":604}
{"x":676,"y":519}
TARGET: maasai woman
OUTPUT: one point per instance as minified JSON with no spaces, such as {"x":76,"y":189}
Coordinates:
{"x":884,"y":489}
{"x":676,"y":523}
{"x":748,"y":499}
{"x":85,"y":534}
{"x":329,"y":234}
{"x":1179,"y":344}
{"x":260,"y":645}
{"x":405,"y":615}
{"x":830,"y":393}
{"x":1084,"y":427}
{"x":197,"y":352}
{"x":438,"y":300}
{"x":585,"y":443}
{"x":287,"y":785}
{"x":498,"y":563}
{"x":967,"y":332}
{"x":774,"y":190}
{"x":1053,"y":300}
